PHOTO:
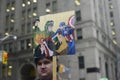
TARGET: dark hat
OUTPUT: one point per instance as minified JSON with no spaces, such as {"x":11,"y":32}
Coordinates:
{"x":37,"y":19}
{"x":49,"y":23}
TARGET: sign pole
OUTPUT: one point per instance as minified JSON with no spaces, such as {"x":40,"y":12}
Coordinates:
{"x":54,"y":68}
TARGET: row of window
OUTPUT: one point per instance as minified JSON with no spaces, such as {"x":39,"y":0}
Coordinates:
{"x":10,"y":6}
{"x":26,"y":28}
{"x":23,"y":45}
{"x":28,"y":2}
{"x":52,"y":7}
{"x":29,"y":13}
{"x":113,"y":31}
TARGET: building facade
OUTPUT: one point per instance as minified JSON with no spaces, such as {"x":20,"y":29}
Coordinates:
{"x":95,"y":34}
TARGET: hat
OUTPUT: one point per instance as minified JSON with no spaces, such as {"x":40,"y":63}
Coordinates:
{"x":48,"y":23}
{"x":37,"y":19}
{"x":51,"y":22}
{"x":62,"y":24}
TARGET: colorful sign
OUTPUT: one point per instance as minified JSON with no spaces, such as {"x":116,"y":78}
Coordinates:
{"x":54,"y":34}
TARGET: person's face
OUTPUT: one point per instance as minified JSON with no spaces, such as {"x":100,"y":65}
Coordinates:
{"x":36,"y":23}
{"x":44,"y":67}
{"x":61,"y":27}
{"x":49,"y":28}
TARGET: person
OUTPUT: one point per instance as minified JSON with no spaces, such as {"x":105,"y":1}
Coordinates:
{"x":44,"y":46}
{"x":67,"y":32}
{"x":48,"y":28}
{"x":36,"y":22}
{"x":44,"y":66}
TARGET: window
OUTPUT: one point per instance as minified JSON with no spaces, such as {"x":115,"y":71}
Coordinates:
{"x":79,"y":34}
{"x":28,"y":2}
{"x":29,"y":13}
{"x":97,"y":34}
{"x":114,"y":40}
{"x":10,"y":47}
{"x":28,"y":28}
{"x":23,"y":3}
{"x":113,"y":32}
{"x":23,"y":15}
{"x":112,"y":23}
{"x":11,"y":29}
{"x":7,"y":20}
{"x":93,"y":69}
{"x":77,"y":2}
{"x":78,"y":15}
{"x":5,"y":47}
{"x":9,"y":70}
{"x":111,"y":14}
{"x":100,"y":63}
{"x":54,"y":6}
{"x":104,"y":38}
{"x":35,"y":11}
{"x":34,"y":1}
{"x":22,"y":42}
{"x":48,"y":8}
{"x":12,"y":18}
{"x":13,"y":6}
{"x":8,"y":7}
{"x":81,"y":62}
{"x":106,"y":69}
{"x":82,"y":78}
{"x":23,"y":29}
{"x":110,"y":6}
{"x":6,"y":29}
{"x":28,"y":44}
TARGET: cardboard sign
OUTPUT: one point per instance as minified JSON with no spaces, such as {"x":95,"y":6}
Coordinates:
{"x":54,"y":34}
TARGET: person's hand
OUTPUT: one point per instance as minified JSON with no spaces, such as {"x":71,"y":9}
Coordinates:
{"x":42,"y":48}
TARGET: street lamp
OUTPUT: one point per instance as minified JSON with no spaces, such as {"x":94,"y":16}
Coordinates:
{"x":7,"y":36}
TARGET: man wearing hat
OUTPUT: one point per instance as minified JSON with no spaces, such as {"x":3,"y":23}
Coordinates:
{"x":44,"y":66}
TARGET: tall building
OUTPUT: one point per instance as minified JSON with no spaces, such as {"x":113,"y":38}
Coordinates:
{"x":95,"y":34}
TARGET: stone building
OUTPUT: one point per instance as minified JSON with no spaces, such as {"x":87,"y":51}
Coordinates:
{"x":95,"y":34}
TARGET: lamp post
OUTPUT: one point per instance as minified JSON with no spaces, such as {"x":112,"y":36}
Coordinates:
{"x":7,"y":36}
